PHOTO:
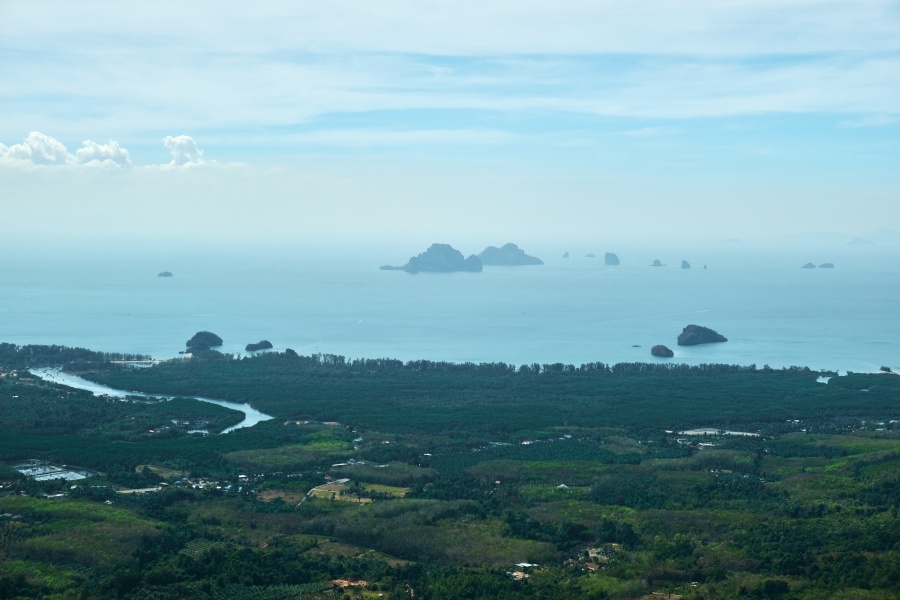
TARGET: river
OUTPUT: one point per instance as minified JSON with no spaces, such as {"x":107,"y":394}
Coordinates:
{"x":56,"y":375}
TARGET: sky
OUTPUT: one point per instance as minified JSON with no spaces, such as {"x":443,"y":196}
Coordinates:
{"x":411,"y":122}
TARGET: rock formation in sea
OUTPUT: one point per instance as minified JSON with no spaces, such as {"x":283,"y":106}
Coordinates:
{"x":165,"y":274}
{"x":610,"y":259}
{"x":261,"y":345}
{"x":203,"y":340}
{"x":826,"y":266}
{"x":590,"y":256}
{"x":439,"y":258}
{"x":509,"y":255}
{"x":565,"y":255}
{"x":808,"y":266}
{"x":657,"y":263}
{"x":697,"y":334}
{"x":661,"y":351}
{"x":685,"y":264}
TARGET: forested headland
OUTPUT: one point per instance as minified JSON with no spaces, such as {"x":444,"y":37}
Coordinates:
{"x":442,"y":480}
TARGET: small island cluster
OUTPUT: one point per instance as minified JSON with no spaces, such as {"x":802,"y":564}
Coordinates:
{"x":444,"y":258}
{"x":610,"y":259}
{"x":810,"y":265}
{"x":692,"y":335}
{"x":205,"y":341}
{"x":684,"y":264}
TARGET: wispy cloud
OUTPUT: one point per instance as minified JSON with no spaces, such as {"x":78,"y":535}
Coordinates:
{"x":278,"y":76}
{"x":381,"y":137}
{"x":871,"y":121}
{"x":473,"y":27}
{"x":648,"y":132}
{"x":143,"y":69}
{"x":216,"y":93}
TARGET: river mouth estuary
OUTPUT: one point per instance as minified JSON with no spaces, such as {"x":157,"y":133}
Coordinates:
{"x":57,"y":375}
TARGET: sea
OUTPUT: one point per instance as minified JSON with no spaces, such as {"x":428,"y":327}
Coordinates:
{"x":571,"y":310}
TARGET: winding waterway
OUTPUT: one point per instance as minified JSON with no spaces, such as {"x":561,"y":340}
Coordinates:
{"x":55,"y":375}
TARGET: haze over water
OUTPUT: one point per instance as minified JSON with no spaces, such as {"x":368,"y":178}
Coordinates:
{"x":572,"y":311}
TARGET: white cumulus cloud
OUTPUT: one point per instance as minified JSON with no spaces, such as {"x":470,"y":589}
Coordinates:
{"x":184,"y":150}
{"x":110,"y":154}
{"x":37,"y":149}
{"x":41,"y":149}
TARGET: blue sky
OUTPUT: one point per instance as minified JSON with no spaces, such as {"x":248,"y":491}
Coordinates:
{"x":401,"y":118}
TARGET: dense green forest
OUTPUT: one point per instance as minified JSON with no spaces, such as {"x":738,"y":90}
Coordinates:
{"x":379,"y":478}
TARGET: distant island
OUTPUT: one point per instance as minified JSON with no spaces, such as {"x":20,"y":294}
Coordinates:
{"x":203,"y":340}
{"x":610,"y":259}
{"x":565,"y":255}
{"x":826,"y":266}
{"x":590,"y":256}
{"x":509,"y":255}
{"x":808,"y":265}
{"x":693,"y":335}
{"x":165,"y":274}
{"x":262,"y":345}
{"x":657,"y":263}
{"x":685,"y":264}
{"x":661,"y":351}
{"x":439,"y":258}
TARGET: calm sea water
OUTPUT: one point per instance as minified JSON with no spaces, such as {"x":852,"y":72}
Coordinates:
{"x":572,"y":310}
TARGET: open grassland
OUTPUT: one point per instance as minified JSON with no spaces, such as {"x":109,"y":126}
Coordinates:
{"x":337,"y":492}
{"x":393,"y":473}
{"x":319,"y":447}
{"x":286,"y":496}
{"x":387,"y":490}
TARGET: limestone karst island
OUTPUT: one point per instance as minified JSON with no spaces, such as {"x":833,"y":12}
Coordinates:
{"x":692,"y":335}
{"x":509,"y":255}
{"x":439,"y":258}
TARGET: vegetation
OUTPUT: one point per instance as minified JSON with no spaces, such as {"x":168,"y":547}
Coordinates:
{"x":440,"y":258}
{"x":203,"y":340}
{"x":662,"y":351}
{"x":507,"y":255}
{"x":261,"y":345}
{"x":438,"y":480}
{"x":697,"y":334}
